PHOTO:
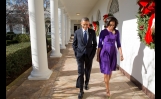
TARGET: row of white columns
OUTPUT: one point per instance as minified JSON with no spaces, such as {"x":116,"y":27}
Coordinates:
{"x":54,"y":29}
{"x":40,"y":69}
{"x":63,"y":32}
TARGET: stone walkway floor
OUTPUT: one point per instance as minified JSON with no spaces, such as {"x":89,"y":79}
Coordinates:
{"x":61,"y":84}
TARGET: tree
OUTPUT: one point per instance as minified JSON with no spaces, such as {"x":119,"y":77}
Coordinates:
{"x":17,"y":13}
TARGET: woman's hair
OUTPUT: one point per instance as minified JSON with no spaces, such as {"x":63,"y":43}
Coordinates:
{"x":109,"y":19}
{"x":90,"y":25}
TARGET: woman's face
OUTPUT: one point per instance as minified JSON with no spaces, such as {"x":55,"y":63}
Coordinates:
{"x":111,"y":25}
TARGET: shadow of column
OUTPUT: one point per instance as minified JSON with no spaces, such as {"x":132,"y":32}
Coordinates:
{"x":137,"y":67}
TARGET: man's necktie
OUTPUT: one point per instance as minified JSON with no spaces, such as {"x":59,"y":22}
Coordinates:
{"x":85,"y":37}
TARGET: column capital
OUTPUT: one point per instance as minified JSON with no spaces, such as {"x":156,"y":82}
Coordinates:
{"x":65,"y":12}
{"x":67,"y":15}
{"x":60,"y":4}
{"x":62,"y":7}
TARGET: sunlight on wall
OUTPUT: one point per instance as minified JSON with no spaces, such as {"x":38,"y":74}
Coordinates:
{"x":130,"y":43}
{"x":139,"y":60}
{"x":149,"y":68}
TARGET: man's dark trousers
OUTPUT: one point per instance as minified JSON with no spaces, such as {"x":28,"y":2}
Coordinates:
{"x":84,"y":66}
{"x":84,"y":53}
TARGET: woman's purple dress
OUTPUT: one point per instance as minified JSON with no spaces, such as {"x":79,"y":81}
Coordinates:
{"x":108,"y":53}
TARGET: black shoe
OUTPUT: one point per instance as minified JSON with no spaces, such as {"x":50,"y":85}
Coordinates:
{"x":80,"y":95}
{"x":77,"y":86}
{"x":86,"y":87}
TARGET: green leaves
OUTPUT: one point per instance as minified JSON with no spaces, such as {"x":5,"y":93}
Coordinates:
{"x":22,"y":38}
{"x":17,"y":56}
{"x":143,"y":21}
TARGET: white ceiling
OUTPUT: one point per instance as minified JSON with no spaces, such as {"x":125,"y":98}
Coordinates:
{"x":78,"y":6}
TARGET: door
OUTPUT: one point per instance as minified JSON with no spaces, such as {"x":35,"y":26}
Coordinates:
{"x":75,"y":28}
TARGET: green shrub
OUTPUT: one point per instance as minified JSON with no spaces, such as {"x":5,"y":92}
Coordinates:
{"x":49,"y":41}
{"x":48,"y":36}
{"x":8,"y":42}
{"x":10,"y":36}
{"x":22,"y":38}
{"x":49,"y":44}
{"x":10,"y":33}
{"x":17,"y":56}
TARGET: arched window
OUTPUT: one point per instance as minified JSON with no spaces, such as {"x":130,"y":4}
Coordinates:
{"x":114,"y":7}
{"x":98,"y":15}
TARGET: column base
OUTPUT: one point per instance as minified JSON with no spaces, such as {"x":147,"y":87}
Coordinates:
{"x":42,"y":76}
{"x":62,"y":47}
{"x":55,"y":54}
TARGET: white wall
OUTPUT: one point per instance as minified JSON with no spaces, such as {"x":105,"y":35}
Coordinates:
{"x":102,"y":6}
{"x":139,"y":60}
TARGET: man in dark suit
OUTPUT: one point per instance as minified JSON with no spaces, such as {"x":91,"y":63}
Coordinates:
{"x":84,"y":46}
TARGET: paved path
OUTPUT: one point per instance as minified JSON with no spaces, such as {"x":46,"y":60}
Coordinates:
{"x":61,"y":84}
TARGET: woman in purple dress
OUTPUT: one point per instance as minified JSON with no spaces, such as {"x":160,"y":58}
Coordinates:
{"x":107,"y":52}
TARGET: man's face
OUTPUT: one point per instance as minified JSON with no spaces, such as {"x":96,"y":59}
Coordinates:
{"x":85,"y":24}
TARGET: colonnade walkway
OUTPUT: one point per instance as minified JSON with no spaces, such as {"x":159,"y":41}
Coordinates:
{"x":61,"y":84}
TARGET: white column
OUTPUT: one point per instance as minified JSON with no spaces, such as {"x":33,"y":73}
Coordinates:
{"x":40,"y":69}
{"x":69,"y":34}
{"x":23,"y":32}
{"x":64,"y":25}
{"x":70,"y":28}
{"x":66,"y":30}
{"x":23,"y":29}
{"x":62,"y":30}
{"x":54,"y":29}
{"x":59,"y":21}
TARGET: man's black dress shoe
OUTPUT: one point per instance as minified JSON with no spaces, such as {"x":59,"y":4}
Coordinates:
{"x":86,"y":87}
{"x":80,"y":95}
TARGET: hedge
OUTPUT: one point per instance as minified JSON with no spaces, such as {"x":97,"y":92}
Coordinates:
{"x":49,"y":44}
{"x":22,"y":38}
{"x":10,"y":33}
{"x":8,"y":42}
{"x":48,"y":36}
{"x":17,"y":56}
{"x":10,"y":36}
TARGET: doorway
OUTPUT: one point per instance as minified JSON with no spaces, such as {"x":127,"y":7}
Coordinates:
{"x":76,"y":27}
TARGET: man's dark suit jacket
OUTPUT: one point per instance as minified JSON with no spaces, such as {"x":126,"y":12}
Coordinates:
{"x":79,"y":46}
